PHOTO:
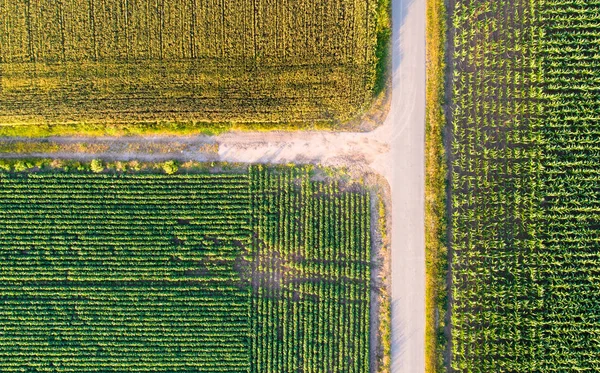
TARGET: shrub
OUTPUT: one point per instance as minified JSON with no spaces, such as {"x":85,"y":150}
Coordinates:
{"x":170,"y":167}
{"x":96,"y":166}
{"x":21,"y":166}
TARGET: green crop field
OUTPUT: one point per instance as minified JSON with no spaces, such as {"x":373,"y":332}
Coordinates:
{"x":85,"y":65}
{"x":525,"y":186}
{"x":260,"y":271}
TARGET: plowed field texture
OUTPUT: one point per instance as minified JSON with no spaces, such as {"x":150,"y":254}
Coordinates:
{"x":77,"y":65}
{"x":525,"y":186}
{"x":262,"y":271}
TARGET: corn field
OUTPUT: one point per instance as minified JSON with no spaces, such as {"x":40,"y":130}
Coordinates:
{"x":525,"y":186}
{"x":129,"y":62}
{"x":263,"y":271}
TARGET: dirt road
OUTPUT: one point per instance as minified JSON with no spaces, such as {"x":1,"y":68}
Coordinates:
{"x":407,"y":118}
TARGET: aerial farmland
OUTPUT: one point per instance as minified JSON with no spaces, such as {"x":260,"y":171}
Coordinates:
{"x":524,"y":202}
{"x":145,"y":225}
{"x":138,"y":270}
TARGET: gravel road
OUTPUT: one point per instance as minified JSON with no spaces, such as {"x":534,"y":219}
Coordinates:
{"x":407,"y":180}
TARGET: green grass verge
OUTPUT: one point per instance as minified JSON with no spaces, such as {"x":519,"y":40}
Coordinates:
{"x":385,"y":319}
{"x":435,"y":187}
{"x":155,"y":128}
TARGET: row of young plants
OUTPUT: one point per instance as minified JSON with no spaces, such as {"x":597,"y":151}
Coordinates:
{"x":311,"y":275}
{"x":567,"y":267}
{"x":525,"y":208}
{"x":260,"y":270}
{"x":115,"y":272}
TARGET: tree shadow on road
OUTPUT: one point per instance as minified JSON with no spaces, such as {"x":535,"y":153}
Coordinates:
{"x":399,"y":338}
{"x":399,"y":13}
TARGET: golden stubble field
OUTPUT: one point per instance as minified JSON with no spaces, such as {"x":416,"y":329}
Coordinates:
{"x":95,"y":63}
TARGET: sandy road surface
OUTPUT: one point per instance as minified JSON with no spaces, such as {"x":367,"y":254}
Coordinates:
{"x":395,"y":150}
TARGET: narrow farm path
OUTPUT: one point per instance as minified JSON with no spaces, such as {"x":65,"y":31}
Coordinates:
{"x":394,"y":150}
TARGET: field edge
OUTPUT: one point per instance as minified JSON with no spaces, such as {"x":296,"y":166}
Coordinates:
{"x":373,"y":184}
{"x":381,"y":218}
{"x":435,"y":189}
{"x":378,"y":106}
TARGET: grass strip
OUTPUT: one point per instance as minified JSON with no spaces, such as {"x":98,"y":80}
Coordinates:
{"x":435,"y":186}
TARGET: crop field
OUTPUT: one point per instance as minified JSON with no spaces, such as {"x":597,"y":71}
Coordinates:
{"x":94,"y":63}
{"x":261,"y":271}
{"x":525,"y":186}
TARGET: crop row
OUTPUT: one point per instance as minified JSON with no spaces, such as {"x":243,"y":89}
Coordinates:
{"x":312,"y":276}
{"x":525,"y":208}
{"x":143,"y":273}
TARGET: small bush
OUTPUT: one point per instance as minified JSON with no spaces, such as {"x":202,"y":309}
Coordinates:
{"x":170,"y":167}
{"x":21,"y":166}
{"x":96,"y":166}
{"x":135,"y":165}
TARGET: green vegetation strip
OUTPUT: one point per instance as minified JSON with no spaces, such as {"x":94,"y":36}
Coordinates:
{"x":112,"y":271}
{"x":137,"y":66}
{"x":525,"y":186}
{"x":435,"y":190}
{"x":44,"y":146}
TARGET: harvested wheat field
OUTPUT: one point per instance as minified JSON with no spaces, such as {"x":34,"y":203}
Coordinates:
{"x":95,"y":65}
